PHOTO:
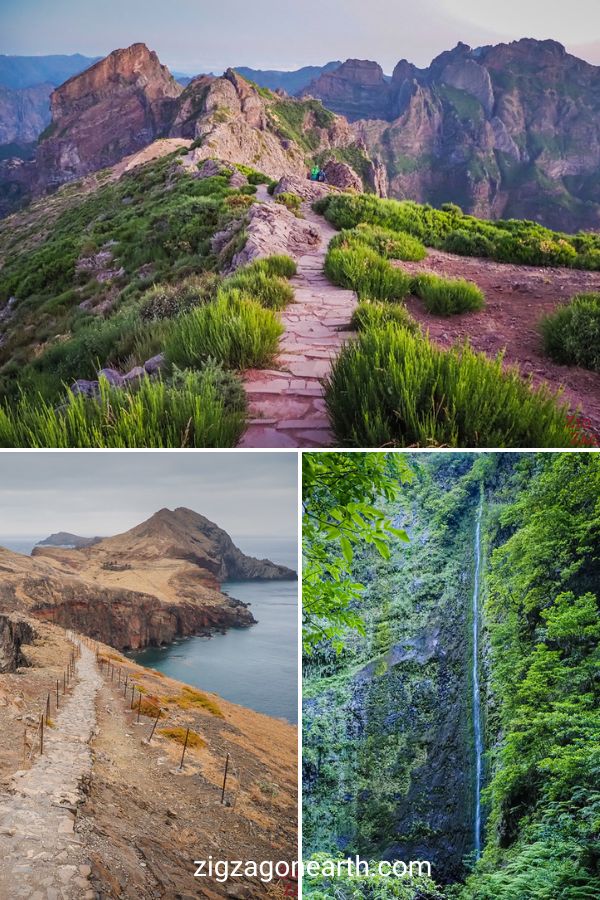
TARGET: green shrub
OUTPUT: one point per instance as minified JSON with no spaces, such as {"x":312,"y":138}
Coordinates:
{"x":390,"y":244}
{"x":391,"y":387}
{"x":447,"y":296}
{"x":234,"y":330}
{"x":291,"y":201}
{"x":270,"y":291}
{"x":154,"y":415}
{"x":165,"y":301}
{"x":571,"y":334}
{"x":364,"y":271}
{"x":279,"y":264}
{"x":375,"y":314}
{"x":515,"y":241}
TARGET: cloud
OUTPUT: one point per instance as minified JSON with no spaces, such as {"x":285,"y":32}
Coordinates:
{"x":105,"y":493}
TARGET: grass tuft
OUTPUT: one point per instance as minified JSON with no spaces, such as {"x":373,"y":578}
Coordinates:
{"x":571,"y":334}
{"x":235,"y":330}
{"x":394,"y":388}
{"x":447,"y":296}
{"x":361,"y":269}
{"x":178,"y":735}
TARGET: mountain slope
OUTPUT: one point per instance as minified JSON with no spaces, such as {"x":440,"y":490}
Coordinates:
{"x":158,"y":581}
{"x":505,"y":131}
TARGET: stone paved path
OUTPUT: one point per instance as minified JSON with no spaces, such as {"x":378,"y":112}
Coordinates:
{"x":286,"y":404}
{"x":41,"y":858}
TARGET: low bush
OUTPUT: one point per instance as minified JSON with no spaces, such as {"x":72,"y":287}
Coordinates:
{"x":390,"y":387}
{"x":375,"y":314}
{"x":279,"y":264}
{"x":291,"y":201}
{"x":269,"y":290}
{"x":166,"y":301}
{"x":361,"y":269}
{"x":447,"y":296}
{"x":190,"y":698}
{"x":513,"y":240}
{"x":154,"y":415}
{"x":234,"y":330}
{"x":571,"y":334}
{"x":390,"y":244}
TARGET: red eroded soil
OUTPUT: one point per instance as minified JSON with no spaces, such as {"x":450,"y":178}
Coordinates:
{"x":516,"y":299}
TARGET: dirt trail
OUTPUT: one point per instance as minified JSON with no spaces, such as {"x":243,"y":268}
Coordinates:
{"x":286,"y":404}
{"x":41,"y":858}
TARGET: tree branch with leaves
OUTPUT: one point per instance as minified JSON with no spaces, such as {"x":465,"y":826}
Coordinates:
{"x":342,"y":494}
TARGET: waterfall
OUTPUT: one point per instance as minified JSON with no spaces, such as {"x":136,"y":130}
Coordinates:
{"x":476,"y":698}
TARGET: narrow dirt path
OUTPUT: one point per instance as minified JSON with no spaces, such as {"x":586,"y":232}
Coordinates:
{"x":287,"y":408}
{"x":41,"y":858}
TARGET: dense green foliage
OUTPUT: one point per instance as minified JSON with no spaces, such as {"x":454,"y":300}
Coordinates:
{"x":513,"y":240}
{"x":153,"y":227}
{"x":363,"y":270}
{"x":394,"y":387}
{"x":234,"y":329}
{"x":339,"y":495}
{"x":375,"y":886}
{"x":543,"y":618}
{"x":126,"y":273}
{"x":387,"y":734}
{"x":447,"y":296}
{"x":571,"y":334}
{"x":375,"y":314}
{"x":199,"y":409}
{"x":390,"y":244}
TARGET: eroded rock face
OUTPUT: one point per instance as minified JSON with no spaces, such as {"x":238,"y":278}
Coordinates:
{"x":117,"y":106}
{"x":13,"y":633}
{"x":130,"y":620}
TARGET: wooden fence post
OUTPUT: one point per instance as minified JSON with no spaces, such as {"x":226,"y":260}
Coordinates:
{"x":187,"y":734}
{"x":225,"y":779}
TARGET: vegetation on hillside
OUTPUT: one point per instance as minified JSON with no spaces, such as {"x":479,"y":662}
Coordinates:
{"x":571,"y":334}
{"x":387,"y":733}
{"x":126,"y":273}
{"x":513,"y":240}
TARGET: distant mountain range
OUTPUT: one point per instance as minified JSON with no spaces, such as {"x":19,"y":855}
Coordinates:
{"x":511,"y":130}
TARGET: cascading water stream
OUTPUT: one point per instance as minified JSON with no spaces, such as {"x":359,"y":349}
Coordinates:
{"x":475,"y":680}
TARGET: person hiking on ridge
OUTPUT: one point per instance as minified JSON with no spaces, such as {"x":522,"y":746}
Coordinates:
{"x":314,"y":173}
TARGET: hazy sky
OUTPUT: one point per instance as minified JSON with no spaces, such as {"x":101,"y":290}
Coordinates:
{"x":102,"y":493}
{"x":203,"y":35}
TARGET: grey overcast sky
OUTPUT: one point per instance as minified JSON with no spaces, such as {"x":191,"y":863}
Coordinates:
{"x":202,"y":35}
{"x":101,"y":493}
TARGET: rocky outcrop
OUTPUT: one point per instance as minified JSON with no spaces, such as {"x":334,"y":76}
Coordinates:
{"x":13,"y":633}
{"x":66,"y":539}
{"x":131,"y":620}
{"x":117,"y":106}
{"x":182,"y":534}
{"x":271,"y":229}
{"x":156,"y":582}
